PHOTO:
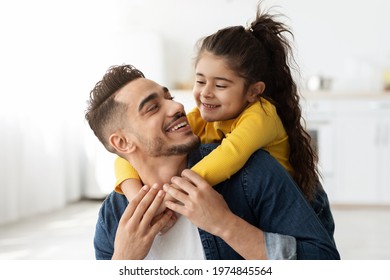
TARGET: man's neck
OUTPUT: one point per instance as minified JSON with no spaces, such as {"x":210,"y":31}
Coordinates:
{"x":159,"y":170}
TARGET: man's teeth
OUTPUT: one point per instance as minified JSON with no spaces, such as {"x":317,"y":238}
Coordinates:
{"x":176,"y":127}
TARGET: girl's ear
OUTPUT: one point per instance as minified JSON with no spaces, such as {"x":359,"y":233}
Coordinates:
{"x":121,"y":144}
{"x":255,"y":90}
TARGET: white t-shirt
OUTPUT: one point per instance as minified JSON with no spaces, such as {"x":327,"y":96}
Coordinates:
{"x":181,"y":242}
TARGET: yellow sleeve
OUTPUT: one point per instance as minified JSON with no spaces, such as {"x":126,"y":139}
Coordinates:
{"x":203,"y":129}
{"x":252,"y":130}
{"x":197,"y":124}
{"x":123,"y":171}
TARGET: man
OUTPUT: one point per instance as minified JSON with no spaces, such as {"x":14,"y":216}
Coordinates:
{"x":257,"y":214}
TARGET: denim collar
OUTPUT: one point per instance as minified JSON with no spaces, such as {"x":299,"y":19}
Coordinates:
{"x":197,"y":155}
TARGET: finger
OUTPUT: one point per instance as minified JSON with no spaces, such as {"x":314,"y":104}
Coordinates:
{"x":152,"y":209}
{"x":177,"y":208}
{"x":184,"y":184}
{"x":176,"y":192}
{"x":129,"y":211}
{"x":169,"y":225}
{"x":145,"y":203}
{"x":161,"y":221}
{"x":194,"y":178}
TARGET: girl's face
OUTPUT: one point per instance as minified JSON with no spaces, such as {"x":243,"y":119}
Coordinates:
{"x":218,"y":91}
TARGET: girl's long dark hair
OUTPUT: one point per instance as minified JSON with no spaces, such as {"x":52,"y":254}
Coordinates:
{"x":261,"y":52}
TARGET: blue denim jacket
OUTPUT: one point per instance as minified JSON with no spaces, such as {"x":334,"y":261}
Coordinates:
{"x":263,"y":194}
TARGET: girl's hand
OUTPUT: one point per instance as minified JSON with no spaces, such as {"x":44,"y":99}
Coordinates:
{"x":199,"y":202}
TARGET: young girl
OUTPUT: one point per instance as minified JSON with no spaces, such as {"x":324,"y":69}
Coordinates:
{"x":246,"y":99}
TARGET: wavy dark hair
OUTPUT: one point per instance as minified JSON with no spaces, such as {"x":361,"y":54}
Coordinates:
{"x":262,"y":52}
{"x":104,"y":113}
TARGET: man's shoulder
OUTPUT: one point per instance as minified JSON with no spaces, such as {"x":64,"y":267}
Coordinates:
{"x":112,"y":208}
{"x":259,"y":158}
{"x":110,"y":213}
{"x":205,"y":149}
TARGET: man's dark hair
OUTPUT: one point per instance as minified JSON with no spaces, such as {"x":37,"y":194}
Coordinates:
{"x":104,"y":114}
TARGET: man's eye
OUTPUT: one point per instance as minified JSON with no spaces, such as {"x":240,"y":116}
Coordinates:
{"x":152,"y":107}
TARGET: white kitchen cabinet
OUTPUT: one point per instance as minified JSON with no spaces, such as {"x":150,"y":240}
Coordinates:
{"x":353,"y":139}
{"x":320,"y":123}
{"x":383,"y":145}
{"x":357,"y":162}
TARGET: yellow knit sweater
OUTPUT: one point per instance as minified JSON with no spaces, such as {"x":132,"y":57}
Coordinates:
{"x":258,"y":126}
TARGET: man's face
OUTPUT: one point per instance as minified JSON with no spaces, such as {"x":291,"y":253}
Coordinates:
{"x":156,"y":124}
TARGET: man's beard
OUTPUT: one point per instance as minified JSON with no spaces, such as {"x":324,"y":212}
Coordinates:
{"x":156,"y":147}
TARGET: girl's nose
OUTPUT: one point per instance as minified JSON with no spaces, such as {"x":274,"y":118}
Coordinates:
{"x":206,"y":93}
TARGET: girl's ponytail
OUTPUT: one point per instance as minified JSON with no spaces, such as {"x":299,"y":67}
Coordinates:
{"x":282,"y":91}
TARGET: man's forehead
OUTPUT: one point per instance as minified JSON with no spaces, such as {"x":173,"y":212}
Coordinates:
{"x":135,"y":90}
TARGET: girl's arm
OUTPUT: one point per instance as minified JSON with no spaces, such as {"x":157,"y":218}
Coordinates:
{"x":253,"y":130}
{"x":127,"y":179}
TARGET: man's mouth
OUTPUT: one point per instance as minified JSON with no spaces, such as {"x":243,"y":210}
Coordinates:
{"x":178,"y":126}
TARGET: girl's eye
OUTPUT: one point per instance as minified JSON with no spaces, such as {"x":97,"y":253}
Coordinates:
{"x":200,"y":82}
{"x":220,"y":86}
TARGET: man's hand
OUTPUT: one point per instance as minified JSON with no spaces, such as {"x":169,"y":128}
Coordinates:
{"x":139,"y":224}
{"x":199,"y":202}
{"x":131,"y":187}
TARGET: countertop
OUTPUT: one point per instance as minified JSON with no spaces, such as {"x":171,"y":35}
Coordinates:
{"x":346,"y":95}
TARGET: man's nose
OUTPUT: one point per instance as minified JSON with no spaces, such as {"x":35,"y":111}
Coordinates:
{"x":175,"y":108}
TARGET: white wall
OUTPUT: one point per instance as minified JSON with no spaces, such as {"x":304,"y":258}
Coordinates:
{"x":344,"y":40}
{"x":53,"y":52}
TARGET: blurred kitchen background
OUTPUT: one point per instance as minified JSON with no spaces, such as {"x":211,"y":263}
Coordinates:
{"x":54,"y":172}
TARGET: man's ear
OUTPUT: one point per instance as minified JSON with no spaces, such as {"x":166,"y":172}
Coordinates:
{"x":255,"y":90}
{"x":121,"y":144}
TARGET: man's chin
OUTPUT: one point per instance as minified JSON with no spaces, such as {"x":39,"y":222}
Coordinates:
{"x":185,"y":148}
